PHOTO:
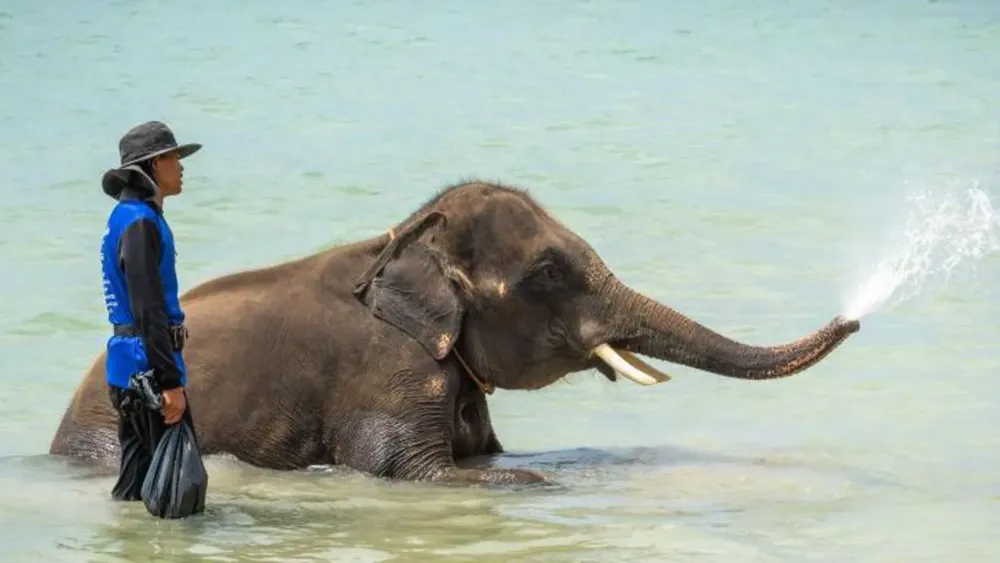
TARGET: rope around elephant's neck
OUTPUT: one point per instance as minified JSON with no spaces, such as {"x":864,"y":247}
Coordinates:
{"x":484,"y":386}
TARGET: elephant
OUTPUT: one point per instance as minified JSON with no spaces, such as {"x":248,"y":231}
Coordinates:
{"x":379,"y":354}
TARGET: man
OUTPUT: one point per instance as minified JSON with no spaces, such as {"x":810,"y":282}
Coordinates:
{"x":141,"y":296}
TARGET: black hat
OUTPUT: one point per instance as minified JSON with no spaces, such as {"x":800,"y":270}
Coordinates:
{"x":150,"y":139}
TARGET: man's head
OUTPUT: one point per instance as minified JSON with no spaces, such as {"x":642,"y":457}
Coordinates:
{"x":152,"y":147}
{"x":167,"y":172}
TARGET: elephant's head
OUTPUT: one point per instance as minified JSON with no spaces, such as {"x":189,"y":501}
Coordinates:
{"x":484,"y":270}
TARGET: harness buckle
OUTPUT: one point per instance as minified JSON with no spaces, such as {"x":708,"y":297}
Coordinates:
{"x":178,"y":336}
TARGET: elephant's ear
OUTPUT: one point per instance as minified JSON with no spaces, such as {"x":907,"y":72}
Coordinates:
{"x":412,"y":293}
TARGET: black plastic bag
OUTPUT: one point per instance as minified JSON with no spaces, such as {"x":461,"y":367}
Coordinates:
{"x":176,"y":483}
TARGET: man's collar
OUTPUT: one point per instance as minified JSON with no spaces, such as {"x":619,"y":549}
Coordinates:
{"x":132,"y":194}
{"x":137,"y":194}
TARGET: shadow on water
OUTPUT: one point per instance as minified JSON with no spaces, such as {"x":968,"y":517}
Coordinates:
{"x":569,"y":463}
{"x":562,"y":465}
{"x":595,"y":463}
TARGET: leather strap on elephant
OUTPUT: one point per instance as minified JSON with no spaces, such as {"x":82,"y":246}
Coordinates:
{"x":484,"y":386}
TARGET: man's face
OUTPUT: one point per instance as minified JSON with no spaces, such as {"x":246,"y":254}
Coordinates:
{"x":169,"y":173}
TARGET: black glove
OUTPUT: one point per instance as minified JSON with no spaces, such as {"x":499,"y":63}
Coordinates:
{"x":144,"y":392}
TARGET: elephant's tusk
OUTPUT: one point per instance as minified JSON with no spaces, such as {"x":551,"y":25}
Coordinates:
{"x":633,"y":368}
{"x":642,"y":366}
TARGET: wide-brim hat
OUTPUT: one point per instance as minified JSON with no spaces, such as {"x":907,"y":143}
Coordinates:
{"x":149,"y":140}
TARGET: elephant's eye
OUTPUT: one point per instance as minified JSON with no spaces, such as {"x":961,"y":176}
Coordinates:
{"x":550,"y":273}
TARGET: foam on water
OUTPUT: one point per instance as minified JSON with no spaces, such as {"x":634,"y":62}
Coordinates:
{"x":943,"y":229}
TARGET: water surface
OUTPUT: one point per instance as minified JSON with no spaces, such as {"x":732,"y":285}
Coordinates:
{"x":735,"y":160}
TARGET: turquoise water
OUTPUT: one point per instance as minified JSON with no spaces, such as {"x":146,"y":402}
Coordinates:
{"x":736,"y":160}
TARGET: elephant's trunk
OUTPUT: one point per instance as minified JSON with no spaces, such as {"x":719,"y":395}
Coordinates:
{"x":658,"y":331}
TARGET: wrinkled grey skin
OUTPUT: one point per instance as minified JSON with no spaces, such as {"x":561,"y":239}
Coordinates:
{"x":348,"y":356}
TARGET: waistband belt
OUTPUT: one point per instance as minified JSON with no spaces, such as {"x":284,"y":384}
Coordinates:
{"x":178,"y":334}
{"x":124,"y":330}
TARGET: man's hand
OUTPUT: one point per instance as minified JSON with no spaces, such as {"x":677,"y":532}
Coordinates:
{"x":173,"y":405}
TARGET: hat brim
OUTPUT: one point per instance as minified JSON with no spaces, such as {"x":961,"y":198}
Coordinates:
{"x":183,"y":151}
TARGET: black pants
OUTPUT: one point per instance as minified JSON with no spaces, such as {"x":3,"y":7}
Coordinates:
{"x":138,"y":433}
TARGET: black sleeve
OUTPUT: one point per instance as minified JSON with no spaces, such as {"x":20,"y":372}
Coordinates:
{"x":139,"y":252}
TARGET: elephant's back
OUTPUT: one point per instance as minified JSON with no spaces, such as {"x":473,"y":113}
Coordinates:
{"x":255,"y":384}
{"x":88,"y":428}
{"x":255,"y":357}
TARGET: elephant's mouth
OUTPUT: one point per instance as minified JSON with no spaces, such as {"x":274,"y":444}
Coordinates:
{"x":617,"y":362}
